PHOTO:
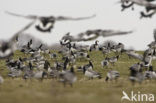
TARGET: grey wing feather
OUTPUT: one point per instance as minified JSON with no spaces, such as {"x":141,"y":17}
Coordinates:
{"x":22,"y":30}
{"x":61,"y":18}
{"x":113,"y":33}
{"x":154,"y":34}
{"x":18,"y":15}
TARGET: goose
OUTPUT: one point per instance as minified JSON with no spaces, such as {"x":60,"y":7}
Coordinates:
{"x":145,"y":3}
{"x":40,"y":75}
{"x":94,"y":46}
{"x":112,"y":75}
{"x":47,"y":23}
{"x":54,"y":73}
{"x":83,"y":55}
{"x":68,"y":77}
{"x":46,"y":65}
{"x":15,"y":73}
{"x":113,"y":59}
{"x":136,"y":74}
{"x":105,"y":62}
{"x":150,"y":74}
{"x":94,"y":34}
{"x":91,"y":74}
{"x":1,"y":80}
{"x":118,"y":48}
{"x":152,"y":45}
{"x":88,"y":66}
{"x":8,"y":47}
{"x":146,"y":58}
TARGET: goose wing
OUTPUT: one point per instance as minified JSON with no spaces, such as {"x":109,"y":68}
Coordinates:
{"x":62,"y":18}
{"x":23,"y":16}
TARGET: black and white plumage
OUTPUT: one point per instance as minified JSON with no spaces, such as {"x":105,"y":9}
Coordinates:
{"x":149,"y":6}
{"x":105,"y":62}
{"x":88,"y":66}
{"x":91,"y":74}
{"x":150,"y":74}
{"x":68,"y":77}
{"x":47,"y":23}
{"x":8,"y":47}
{"x":113,"y":59}
{"x":136,"y":73}
{"x":112,"y":75}
{"x":90,"y":35}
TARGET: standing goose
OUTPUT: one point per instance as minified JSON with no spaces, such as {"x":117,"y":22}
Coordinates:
{"x":88,"y":66}
{"x":47,"y":23}
{"x":105,"y":62}
{"x":68,"y":77}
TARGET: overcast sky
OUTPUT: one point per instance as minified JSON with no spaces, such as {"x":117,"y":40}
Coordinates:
{"x":109,"y":16}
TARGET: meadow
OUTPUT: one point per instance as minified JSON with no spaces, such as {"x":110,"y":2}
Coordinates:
{"x":84,"y":90}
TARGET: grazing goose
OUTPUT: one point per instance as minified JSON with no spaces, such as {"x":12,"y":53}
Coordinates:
{"x":105,"y":62}
{"x":1,"y":80}
{"x":112,"y":75}
{"x":113,"y":59}
{"x":47,"y":23}
{"x":91,"y":74}
{"x":68,"y":77}
{"x":150,"y":74}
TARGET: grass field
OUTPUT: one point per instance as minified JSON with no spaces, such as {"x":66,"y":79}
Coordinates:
{"x":84,"y":91}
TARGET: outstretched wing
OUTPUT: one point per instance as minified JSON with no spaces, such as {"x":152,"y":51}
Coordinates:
{"x":154,"y":34}
{"x":18,"y":15}
{"x":15,"y":37}
{"x":107,"y":33}
{"x":62,"y":18}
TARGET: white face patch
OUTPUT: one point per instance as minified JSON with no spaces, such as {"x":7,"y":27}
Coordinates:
{"x":49,"y":25}
{"x":6,"y":53}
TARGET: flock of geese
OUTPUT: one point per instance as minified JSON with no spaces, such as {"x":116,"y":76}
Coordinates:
{"x":37,"y":66}
{"x":149,"y":5}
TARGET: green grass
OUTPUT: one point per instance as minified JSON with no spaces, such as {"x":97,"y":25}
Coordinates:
{"x":84,"y":91}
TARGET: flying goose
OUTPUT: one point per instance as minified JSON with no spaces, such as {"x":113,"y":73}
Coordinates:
{"x":90,"y":35}
{"x":47,"y":23}
{"x":145,"y":3}
{"x":8,"y":47}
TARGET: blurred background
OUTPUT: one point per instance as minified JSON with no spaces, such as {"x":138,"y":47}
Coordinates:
{"x":109,"y":16}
